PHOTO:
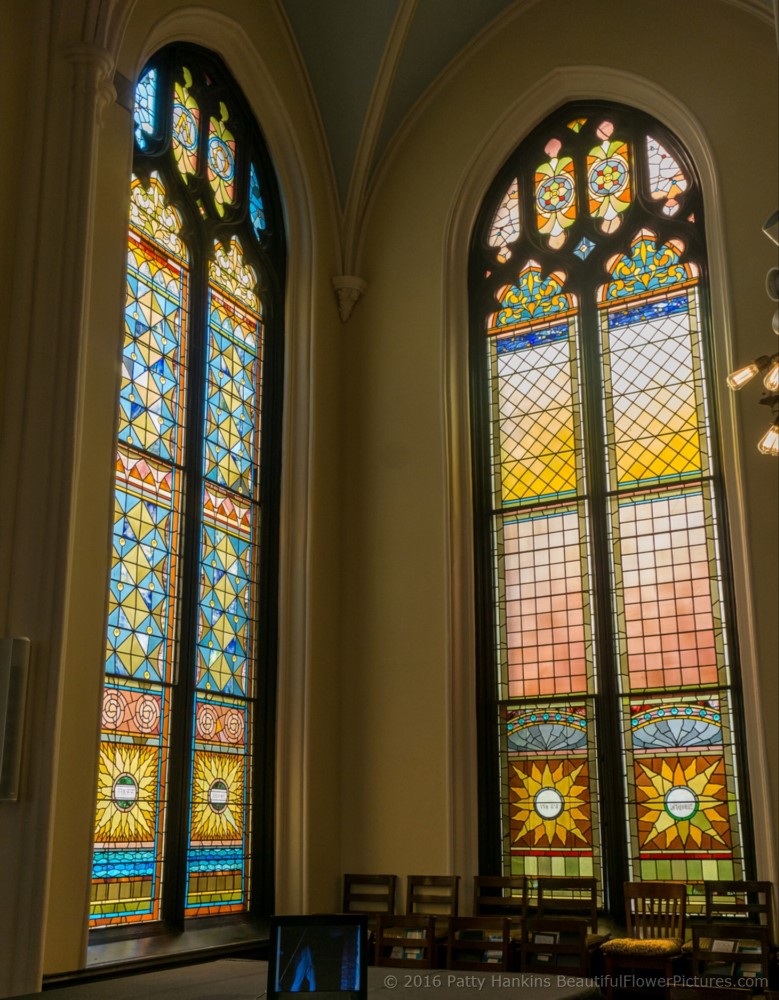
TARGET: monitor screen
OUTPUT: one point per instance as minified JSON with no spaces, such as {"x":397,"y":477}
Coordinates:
{"x":323,"y":954}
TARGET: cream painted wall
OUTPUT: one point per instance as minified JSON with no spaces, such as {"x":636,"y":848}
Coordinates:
{"x":401,"y":762}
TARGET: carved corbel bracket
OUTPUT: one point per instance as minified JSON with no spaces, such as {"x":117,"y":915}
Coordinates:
{"x":349,"y":289}
{"x":95,"y":70}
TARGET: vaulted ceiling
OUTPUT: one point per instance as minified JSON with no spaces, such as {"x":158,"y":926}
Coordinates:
{"x":370,"y":61}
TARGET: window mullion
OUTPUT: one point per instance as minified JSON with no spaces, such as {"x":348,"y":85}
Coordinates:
{"x":607,"y":720}
{"x":182,"y":717}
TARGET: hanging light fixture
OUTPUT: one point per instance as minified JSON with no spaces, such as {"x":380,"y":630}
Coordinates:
{"x":771,"y":381}
{"x":769,"y":442}
{"x":739,"y":378}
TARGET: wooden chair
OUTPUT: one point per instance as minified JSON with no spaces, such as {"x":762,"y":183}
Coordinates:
{"x":654,"y":917}
{"x":555,"y":945}
{"x":732,"y":952}
{"x":406,"y":942}
{"x":571,"y":897}
{"x":479,"y":944}
{"x":369,"y":894}
{"x":574,"y":896}
{"x":752,"y":902}
{"x":436,"y":894}
{"x":494,"y":895}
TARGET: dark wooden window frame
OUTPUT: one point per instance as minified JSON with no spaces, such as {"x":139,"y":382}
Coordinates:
{"x":485,"y":277}
{"x":212,"y":82}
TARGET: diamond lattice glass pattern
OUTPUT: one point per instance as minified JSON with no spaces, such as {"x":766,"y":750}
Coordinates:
{"x":233,"y":386}
{"x":141,"y":606}
{"x":536,"y":410}
{"x":151,"y":390}
{"x":655,"y":390}
{"x":224,"y":634}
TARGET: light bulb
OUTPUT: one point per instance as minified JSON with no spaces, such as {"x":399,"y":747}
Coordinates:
{"x":739,"y":378}
{"x":769,"y":442}
{"x":771,"y":381}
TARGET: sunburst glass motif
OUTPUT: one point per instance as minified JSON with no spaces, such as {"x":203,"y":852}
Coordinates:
{"x":550,"y":805}
{"x":127,"y":793}
{"x":682,"y":804}
{"x":217,"y":796}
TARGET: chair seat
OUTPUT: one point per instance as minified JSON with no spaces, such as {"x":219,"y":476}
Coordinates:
{"x":664,"y":947}
{"x":595,"y":940}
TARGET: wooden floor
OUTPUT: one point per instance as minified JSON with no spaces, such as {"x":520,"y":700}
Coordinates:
{"x":244,"y":979}
{"x":227,"y":979}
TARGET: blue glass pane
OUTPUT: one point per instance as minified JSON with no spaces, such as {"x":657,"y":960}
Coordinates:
{"x":256,"y":207}
{"x":144,"y":109}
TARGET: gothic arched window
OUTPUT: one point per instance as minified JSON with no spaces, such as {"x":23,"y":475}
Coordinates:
{"x":184,"y":822}
{"x":609,"y":703}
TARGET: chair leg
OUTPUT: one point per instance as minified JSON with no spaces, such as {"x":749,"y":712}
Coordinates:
{"x":609,"y":971}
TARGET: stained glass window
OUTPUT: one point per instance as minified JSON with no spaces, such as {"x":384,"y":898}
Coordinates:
{"x":608,"y":682}
{"x":186,"y":667}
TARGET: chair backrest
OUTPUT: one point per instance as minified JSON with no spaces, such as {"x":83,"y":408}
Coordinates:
{"x":751,"y":901}
{"x":731,"y":950}
{"x":494,"y":895}
{"x":369,"y":893}
{"x":558,"y":943}
{"x":575,"y":897}
{"x":405,"y":941}
{"x":479,"y":943}
{"x":655,"y":909}
{"x":435,"y":894}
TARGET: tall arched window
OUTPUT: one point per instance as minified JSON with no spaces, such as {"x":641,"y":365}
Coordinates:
{"x":184,"y":799}
{"x":609,"y":704}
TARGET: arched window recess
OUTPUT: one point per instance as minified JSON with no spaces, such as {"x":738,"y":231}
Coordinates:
{"x":184,"y":820}
{"x":608,"y":694}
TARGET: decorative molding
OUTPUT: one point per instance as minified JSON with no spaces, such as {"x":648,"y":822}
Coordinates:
{"x":104,"y":22}
{"x":349,"y":289}
{"x":369,"y":134}
{"x":94,"y":67}
{"x":504,"y":134}
{"x":317,"y":128}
